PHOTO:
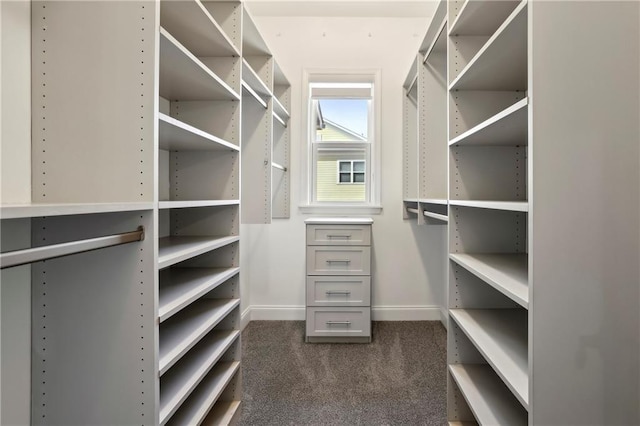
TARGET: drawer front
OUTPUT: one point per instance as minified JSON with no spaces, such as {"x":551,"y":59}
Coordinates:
{"x":327,"y":260}
{"x":338,"y":322}
{"x":339,"y":235}
{"x":338,"y":291}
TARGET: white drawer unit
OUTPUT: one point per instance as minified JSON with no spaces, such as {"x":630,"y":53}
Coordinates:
{"x":338,"y":292}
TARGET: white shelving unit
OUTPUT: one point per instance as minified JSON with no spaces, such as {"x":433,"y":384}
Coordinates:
{"x":523,"y":255}
{"x":265,"y":131}
{"x":425,"y":129}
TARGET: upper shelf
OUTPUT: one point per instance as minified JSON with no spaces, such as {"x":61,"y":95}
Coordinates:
{"x":514,"y":206}
{"x":192,"y":24}
{"x":250,"y":77}
{"x":175,"y":135}
{"x":280,"y":110}
{"x":279,"y":79}
{"x":508,"y":127}
{"x":501,"y":64}
{"x":439,"y":45}
{"x":481,"y":17}
{"x":252,"y":42}
{"x":16,"y":211}
{"x":185,"y":77}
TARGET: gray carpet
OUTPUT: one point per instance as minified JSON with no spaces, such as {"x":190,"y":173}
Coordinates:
{"x":398,"y":379}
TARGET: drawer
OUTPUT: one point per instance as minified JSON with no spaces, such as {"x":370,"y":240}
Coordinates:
{"x":328,"y":260}
{"x":338,"y":291}
{"x":338,"y":322}
{"x":339,"y":235}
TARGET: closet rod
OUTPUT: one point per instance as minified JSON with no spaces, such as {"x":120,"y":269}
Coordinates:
{"x":37,"y":254}
{"x":278,"y":166}
{"x":412,"y":210}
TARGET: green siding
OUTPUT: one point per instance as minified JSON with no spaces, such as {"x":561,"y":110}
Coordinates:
{"x":329,"y":190}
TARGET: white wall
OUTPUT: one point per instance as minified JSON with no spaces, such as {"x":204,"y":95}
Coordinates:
{"x":408,"y":261}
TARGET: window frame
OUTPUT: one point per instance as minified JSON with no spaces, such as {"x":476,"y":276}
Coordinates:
{"x":352,"y":172}
{"x":372,"y":159}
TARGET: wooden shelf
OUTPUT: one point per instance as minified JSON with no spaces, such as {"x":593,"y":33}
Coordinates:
{"x":252,"y":42}
{"x":410,"y":200}
{"x":184,"y":77}
{"x":481,"y":18}
{"x":222,"y":413}
{"x":507,"y":273}
{"x":489,"y":400}
{"x":463,"y":423}
{"x":16,"y":211}
{"x":195,"y":409}
{"x":178,"y":383}
{"x":515,"y":206}
{"x":439,"y":45}
{"x":439,"y":201}
{"x":175,"y":135}
{"x":501,"y":64}
{"x":184,"y":330}
{"x":163,"y":205}
{"x":180,"y":287}
{"x":509,"y":127}
{"x":172,"y":250}
{"x":501,"y":337}
{"x":192,"y":24}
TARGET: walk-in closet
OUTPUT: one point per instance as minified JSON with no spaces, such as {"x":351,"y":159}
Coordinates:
{"x":319,"y":212}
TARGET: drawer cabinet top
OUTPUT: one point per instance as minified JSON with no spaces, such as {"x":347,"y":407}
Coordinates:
{"x":339,"y":221}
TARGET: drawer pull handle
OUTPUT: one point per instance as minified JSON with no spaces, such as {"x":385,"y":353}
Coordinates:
{"x":340,"y":292}
{"x":338,"y":322}
{"x":347,"y":236}
{"x":338,"y":261}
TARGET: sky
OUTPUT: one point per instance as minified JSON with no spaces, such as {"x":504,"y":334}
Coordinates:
{"x":349,"y":113}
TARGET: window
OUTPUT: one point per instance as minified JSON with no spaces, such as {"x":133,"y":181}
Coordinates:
{"x":351,"y":172}
{"x":341,"y":147}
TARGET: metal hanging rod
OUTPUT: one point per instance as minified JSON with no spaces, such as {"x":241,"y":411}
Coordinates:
{"x":278,"y":166}
{"x":37,"y":254}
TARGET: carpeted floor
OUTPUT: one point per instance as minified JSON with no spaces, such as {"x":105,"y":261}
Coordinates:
{"x":398,"y":379}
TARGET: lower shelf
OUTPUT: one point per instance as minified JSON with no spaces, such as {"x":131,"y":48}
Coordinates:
{"x":202,"y":400}
{"x":223,"y":413}
{"x":489,"y":399}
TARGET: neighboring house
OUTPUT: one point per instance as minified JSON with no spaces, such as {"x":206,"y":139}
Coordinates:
{"x":348,"y":185}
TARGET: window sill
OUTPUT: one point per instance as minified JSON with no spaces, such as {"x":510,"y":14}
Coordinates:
{"x":346,"y":210}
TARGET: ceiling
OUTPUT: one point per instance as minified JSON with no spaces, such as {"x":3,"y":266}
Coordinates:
{"x":338,"y":8}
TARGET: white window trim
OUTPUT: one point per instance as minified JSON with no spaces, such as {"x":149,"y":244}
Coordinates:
{"x":306,"y":166}
{"x":351,"y":172}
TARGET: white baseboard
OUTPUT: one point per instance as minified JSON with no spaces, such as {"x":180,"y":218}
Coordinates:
{"x":378,"y":313}
{"x":277,"y":313}
{"x":245,"y":318}
{"x":444,"y":317}
{"x":405,"y":313}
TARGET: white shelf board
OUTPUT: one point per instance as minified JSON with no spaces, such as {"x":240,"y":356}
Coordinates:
{"x":437,"y":216}
{"x":252,"y":42}
{"x":163,"y":205}
{"x":515,"y":206}
{"x":182,"y":379}
{"x":489,"y":400}
{"x":277,"y":118}
{"x":184,"y":77}
{"x":175,"y":135}
{"x":440,"y":201}
{"x":222,"y":413}
{"x":247,"y":89}
{"x":17,"y":211}
{"x":508,"y":127}
{"x":279,"y":79}
{"x":180,"y":287}
{"x":254,"y":81}
{"x":339,"y":221}
{"x":439,"y":45}
{"x":172,"y":250}
{"x":501,"y":337}
{"x":501,"y":64}
{"x":194,"y":410}
{"x":481,"y":18}
{"x":279,"y":109}
{"x":507,"y":273}
{"x":456,"y":423}
{"x":184,"y":330}
{"x":192,"y":24}
{"x":410,"y":200}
